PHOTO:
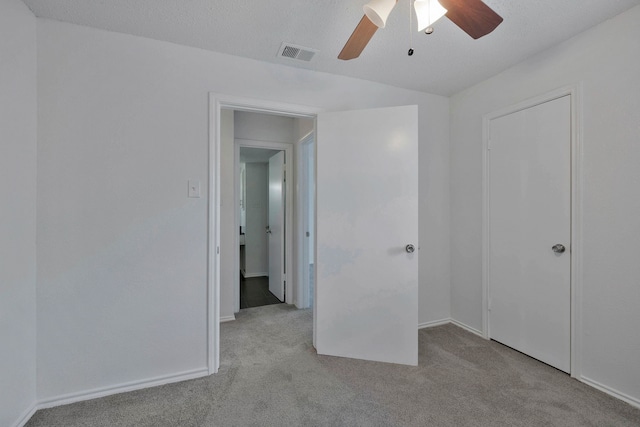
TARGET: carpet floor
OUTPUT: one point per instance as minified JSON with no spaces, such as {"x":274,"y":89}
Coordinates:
{"x":270,"y":375}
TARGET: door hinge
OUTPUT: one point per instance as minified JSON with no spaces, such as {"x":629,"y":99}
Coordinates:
{"x":489,"y":305}
{"x":284,"y":176}
{"x":489,"y":144}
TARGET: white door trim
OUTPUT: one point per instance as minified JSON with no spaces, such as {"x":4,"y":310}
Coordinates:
{"x":303,"y":191}
{"x":216,"y":103}
{"x":574,"y":91}
{"x":288,"y":191}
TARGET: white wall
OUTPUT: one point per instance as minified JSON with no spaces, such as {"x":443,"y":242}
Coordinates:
{"x":256,"y":247}
{"x":264,"y":127}
{"x":18,"y":113}
{"x":122,"y":282}
{"x":606,"y":61}
{"x":122,"y":250}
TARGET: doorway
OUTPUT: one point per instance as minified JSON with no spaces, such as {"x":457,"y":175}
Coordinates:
{"x":530,"y":233}
{"x":262,"y":210}
{"x":266,"y":141}
{"x":224,"y":188}
{"x":385,"y":259}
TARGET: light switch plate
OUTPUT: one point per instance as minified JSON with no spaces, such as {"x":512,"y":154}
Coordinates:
{"x":194,"y":188}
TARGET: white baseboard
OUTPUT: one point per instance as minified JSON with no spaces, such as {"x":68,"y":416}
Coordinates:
{"x":446,"y":321}
{"x":300,"y":306}
{"x":120,"y":388}
{"x":433,"y":323}
{"x":227,"y":318}
{"x":250,"y":275}
{"x":468,"y":328}
{"x":610,"y":391}
{"x":26,"y":415}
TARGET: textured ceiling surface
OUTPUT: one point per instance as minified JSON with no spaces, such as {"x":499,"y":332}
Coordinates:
{"x":444,"y":62}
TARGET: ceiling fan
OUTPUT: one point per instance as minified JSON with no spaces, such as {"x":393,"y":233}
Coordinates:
{"x":474,"y":17}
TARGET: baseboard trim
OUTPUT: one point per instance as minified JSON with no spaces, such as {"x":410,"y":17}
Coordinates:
{"x":610,"y":391}
{"x":121,"y":388}
{"x":227,"y":318}
{"x":467,"y":328}
{"x":26,"y":415}
{"x":250,"y":275}
{"x":434,"y":323}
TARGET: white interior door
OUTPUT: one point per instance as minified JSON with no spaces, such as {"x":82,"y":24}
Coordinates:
{"x":367,"y":213}
{"x":275,"y":229}
{"x":530,"y":213}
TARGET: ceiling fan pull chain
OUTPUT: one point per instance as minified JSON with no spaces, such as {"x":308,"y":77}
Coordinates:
{"x":410,"y":52}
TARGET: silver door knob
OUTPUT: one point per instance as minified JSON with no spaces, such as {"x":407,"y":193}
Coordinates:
{"x":558,"y":248}
{"x":410,"y":248}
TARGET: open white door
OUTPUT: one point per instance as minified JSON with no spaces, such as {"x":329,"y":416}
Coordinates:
{"x":367,"y":215}
{"x":275,"y":229}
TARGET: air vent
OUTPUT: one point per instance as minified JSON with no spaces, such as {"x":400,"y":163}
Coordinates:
{"x":297,"y":53}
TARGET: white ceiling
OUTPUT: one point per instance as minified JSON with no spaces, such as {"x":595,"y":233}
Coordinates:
{"x":444,"y":62}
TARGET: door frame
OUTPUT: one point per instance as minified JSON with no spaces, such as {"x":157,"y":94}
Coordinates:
{"x":575,"y":94}
{"x":288,"y":210}
{"x":304,"y":191}
{"x":216,"y":103}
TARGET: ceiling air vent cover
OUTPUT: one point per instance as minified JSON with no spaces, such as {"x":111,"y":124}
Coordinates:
{"x":297,"y":53}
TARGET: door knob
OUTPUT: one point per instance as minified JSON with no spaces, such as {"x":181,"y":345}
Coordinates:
{"x":410,"y":248}
{"x":268,"y":229}
{"x":558,"y":248}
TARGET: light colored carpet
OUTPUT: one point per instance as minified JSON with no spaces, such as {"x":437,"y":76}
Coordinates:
{"x":270,"y":375}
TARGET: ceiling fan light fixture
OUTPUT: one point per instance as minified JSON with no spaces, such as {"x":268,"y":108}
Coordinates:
{"x":378,"y":11}
{"x":428,"y":12}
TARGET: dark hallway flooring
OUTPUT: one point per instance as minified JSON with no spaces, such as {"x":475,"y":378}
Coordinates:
{"x":254,"y":292}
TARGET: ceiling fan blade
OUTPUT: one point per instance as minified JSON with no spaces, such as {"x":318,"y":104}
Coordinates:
{"x":359,"y":39}
{"x":473,"y":16}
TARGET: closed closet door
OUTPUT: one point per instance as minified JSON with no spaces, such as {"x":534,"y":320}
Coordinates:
{"x":530,"y":231}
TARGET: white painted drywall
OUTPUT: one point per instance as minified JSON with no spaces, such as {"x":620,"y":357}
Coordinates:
{"x":228,"y":249}
{"x":264,"y":127}
{"x":122,"y":251}
{"x":256,"y":247}
{"x":18,"y":116}
{"x":122,"y":283}
{"x":606,"y":62}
